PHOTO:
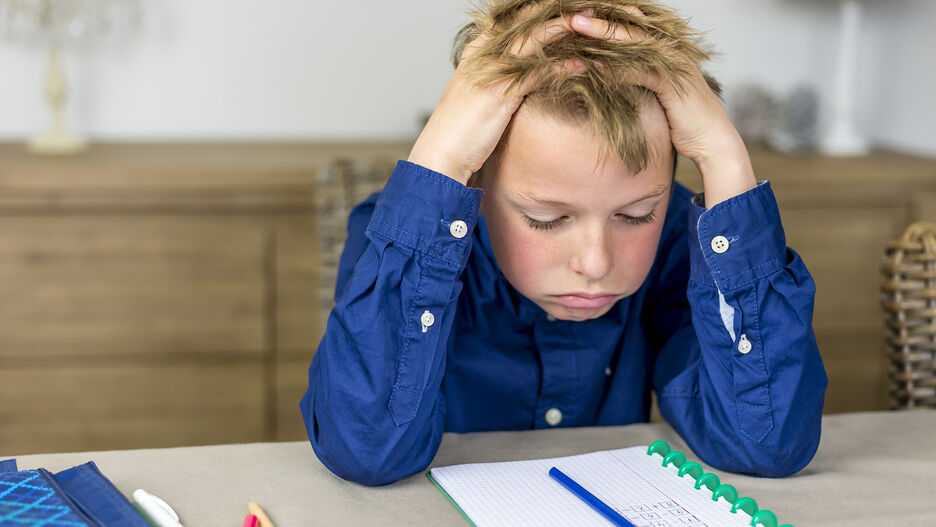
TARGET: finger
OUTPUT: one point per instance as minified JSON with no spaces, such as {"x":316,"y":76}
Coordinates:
{"x":598,"y":28}
{"x":602,"y":29}
{"x":474,"y":45}
{"x":563,"y":69}
{"x":634,"y":10}
{"x":542,"y":35}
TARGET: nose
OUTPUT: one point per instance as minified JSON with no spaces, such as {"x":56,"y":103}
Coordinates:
{"x":591,"y":257}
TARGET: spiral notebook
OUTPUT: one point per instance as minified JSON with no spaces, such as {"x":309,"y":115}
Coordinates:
{"x":650,"y":486}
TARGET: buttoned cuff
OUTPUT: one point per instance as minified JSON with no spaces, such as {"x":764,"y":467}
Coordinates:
{"x":427,"y":212}
{"x":737,"y":241}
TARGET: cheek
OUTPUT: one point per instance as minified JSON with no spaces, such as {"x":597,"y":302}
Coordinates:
{"x":525,"y":256}
{"x":635,"y":250}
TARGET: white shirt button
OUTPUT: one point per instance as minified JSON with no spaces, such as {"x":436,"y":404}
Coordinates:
{"x":720,"y":244}
{"x":608,"y":371}
{"x":458,"y":228}
{"x":551,"y":318}
{"x":744,"y":345}
{"x":553,"y":416}
{"x":427,"y":319}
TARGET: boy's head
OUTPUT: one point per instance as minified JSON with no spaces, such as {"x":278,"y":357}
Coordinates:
{"x":604,"y":95}
{"x":576,"y":192}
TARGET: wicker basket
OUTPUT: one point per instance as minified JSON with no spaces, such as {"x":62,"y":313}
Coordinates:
{"x":909,"y":301}
{"x":341,"y":186}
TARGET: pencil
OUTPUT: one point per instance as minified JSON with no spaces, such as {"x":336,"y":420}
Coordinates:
{"x":258,"y":512}
{"x":589,"y":498}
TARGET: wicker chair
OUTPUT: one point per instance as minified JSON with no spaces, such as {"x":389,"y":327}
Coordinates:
{"x":909,"y":301}
{"x":341,"y":185}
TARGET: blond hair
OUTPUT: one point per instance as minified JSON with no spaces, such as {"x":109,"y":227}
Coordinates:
{"x":604,"y":95}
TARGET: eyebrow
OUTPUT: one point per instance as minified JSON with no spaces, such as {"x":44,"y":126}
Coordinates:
{"x":656,"y":192}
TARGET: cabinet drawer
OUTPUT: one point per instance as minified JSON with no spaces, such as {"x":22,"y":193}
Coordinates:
{"x":84,"y":407}
{"x":130,"y":285}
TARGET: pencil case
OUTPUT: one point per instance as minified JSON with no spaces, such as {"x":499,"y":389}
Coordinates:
{"x":80,"y":496}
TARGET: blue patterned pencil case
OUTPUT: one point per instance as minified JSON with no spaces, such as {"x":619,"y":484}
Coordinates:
{"x":77,"y":497}
{"x":33,"y":497}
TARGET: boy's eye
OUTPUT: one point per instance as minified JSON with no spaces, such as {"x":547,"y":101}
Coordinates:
{"x":551,"y":224}
{"x":543,"y":225}
{"x":639,"y":220}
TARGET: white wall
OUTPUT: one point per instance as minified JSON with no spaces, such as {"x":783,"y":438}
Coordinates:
{"x":294,"y":69}
{"x":901,"y":101}
{"x":271,"y":69}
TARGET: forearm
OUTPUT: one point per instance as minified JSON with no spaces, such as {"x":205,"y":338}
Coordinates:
{"x":757,"y":412}
{"x":726,"y":172}
{"x":357,"y":424}
{"x":373,"y":409}
{"x":749,"y":398}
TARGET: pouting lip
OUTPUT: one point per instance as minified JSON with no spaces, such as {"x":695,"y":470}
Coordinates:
{"x":585,"y":301}
{"x":590,"y":296}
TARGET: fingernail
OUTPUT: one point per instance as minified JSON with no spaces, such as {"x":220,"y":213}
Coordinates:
{"x":581,"y":20}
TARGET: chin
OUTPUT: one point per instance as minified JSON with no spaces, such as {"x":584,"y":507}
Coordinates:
{"x":577,"y":315}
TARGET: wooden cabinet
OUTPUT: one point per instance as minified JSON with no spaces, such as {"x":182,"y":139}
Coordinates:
{"x":160,"y":295}
{"x":157,"y":295}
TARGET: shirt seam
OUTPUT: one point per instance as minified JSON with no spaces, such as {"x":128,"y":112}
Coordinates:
{"x":442,"y":178}
{"x":407,"y":338}
{"x":755,"y":325}
{"x":402,"y":366}
{"x":436,"y":252}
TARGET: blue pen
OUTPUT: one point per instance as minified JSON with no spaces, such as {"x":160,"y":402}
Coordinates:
{"x":589,"y":498}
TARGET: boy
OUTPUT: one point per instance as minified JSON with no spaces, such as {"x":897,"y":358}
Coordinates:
{"x":573,"y":287}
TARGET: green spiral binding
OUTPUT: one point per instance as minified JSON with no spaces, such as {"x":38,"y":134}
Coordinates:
{"x":745,"y":504}
{"x":709,"y":480}
{"x":675,"y":457}
{"x":692,"y":468}
{"x":764,"y":518}
{"x":725,"y":491}
{"x":660,"y":447}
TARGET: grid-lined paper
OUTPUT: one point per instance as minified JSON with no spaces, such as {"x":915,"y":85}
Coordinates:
{"x":520,"y":493}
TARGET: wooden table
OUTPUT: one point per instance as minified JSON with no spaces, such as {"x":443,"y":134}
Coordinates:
{"x":872,"y":469}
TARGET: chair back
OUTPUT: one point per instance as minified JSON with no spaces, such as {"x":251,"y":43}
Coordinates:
{"x":909,"y":301}
{"x":340,"y":187}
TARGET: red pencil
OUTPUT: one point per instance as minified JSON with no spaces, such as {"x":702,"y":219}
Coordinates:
{"x":250,"y":521}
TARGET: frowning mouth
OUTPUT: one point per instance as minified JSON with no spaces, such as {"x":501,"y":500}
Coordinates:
{"x":585,"y":300}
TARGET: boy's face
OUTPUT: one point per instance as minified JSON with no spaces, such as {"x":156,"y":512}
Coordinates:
{"x":570,"y":232}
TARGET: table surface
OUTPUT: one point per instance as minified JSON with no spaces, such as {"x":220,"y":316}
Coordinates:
{"x":876,"y":468}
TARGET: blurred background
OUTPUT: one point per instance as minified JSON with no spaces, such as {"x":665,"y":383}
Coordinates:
{"x":174,"y":176}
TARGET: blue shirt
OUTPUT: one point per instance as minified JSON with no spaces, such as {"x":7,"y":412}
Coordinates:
{"x":428,"y":336}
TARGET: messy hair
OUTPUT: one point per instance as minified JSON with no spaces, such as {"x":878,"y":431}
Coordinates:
{"x":604,"y":94}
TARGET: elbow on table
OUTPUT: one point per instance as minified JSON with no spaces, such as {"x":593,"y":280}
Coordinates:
{"x":765,"y":464}
{"x":779,"y":459}
{"x":348,"y":466}
{"x":781,"y":466}
{"x":366,"y":463}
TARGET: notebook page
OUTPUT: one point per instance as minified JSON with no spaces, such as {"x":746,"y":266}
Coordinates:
{"x":521,"y":493}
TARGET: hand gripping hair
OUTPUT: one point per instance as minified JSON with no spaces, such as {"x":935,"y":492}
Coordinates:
{"x":606,"y":91}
